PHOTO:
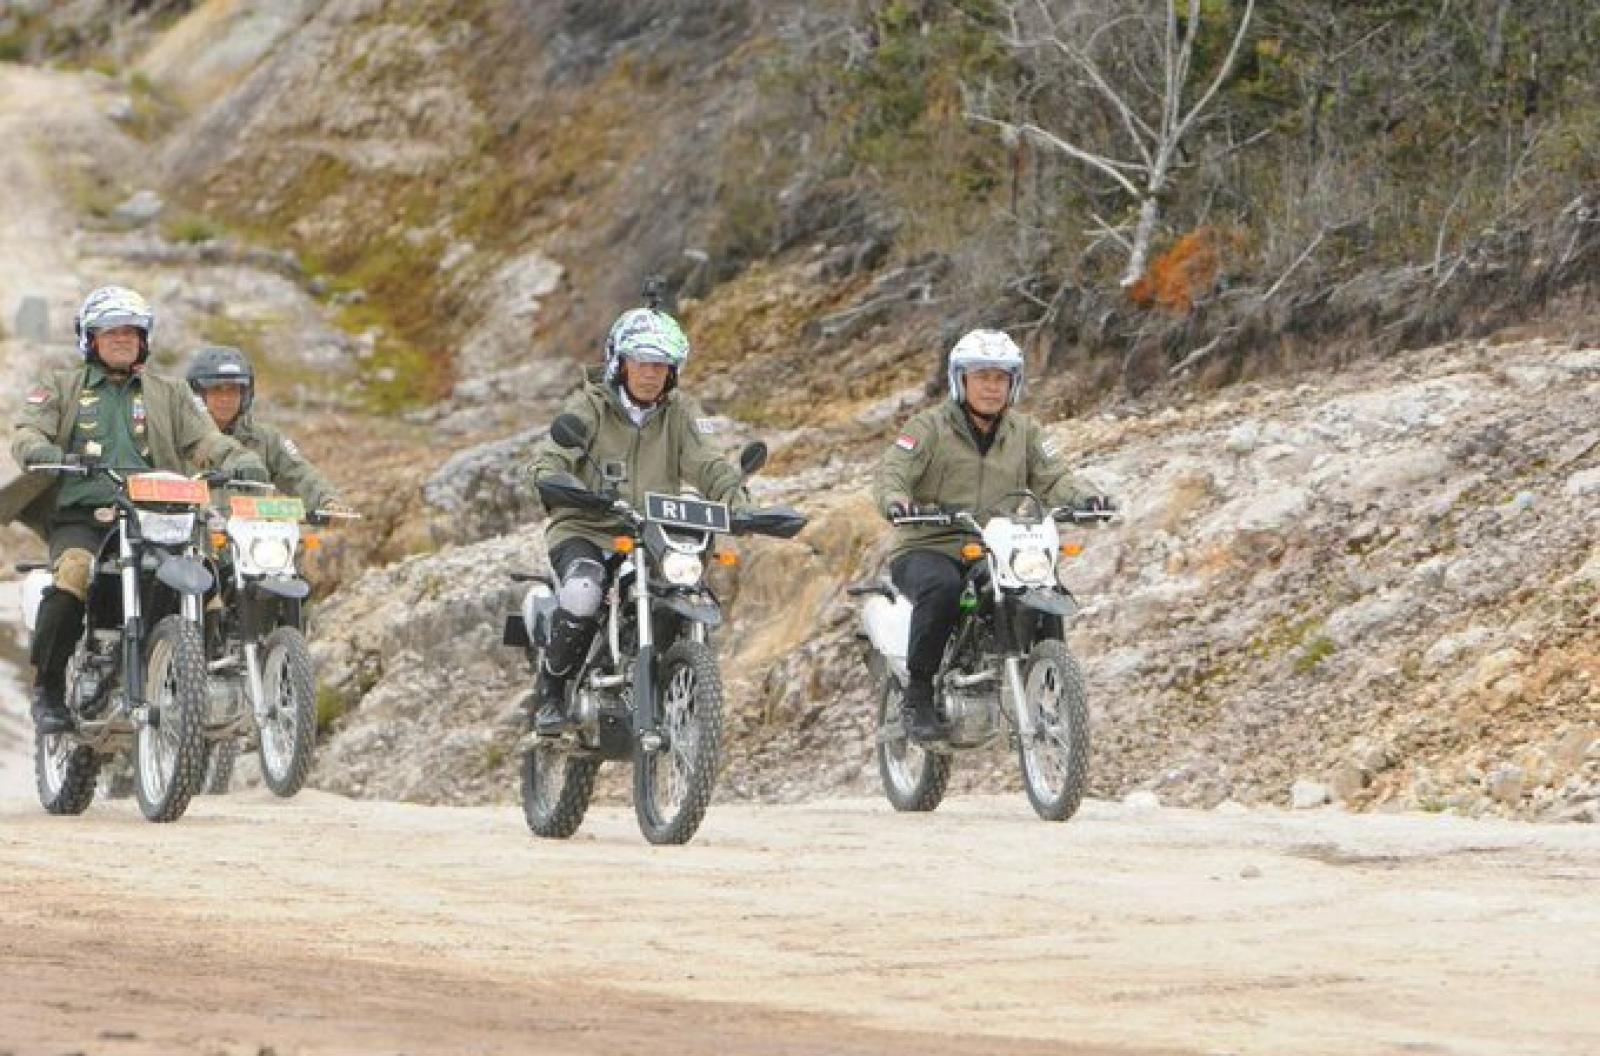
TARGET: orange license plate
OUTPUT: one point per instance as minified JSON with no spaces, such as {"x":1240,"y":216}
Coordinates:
{"x":164,"y":487}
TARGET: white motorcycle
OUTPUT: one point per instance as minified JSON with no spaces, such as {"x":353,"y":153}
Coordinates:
{"x":262,"y":689}
{"x":1006,"y":673}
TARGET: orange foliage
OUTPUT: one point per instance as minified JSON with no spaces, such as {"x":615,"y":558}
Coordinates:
{"x":1184,"y":272}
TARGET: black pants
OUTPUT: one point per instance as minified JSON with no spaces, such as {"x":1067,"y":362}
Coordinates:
{"x":933,"y":583}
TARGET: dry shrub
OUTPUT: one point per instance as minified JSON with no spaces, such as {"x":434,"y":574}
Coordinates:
{"x":1181,"y":275}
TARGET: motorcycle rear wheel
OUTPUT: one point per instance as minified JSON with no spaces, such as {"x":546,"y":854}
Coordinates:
{"x":556,"y":788}
{"x":914,"y":779}
{"x":219,"y":767}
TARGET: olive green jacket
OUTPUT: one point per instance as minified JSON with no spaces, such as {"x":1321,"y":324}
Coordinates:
{"x":179,"y":434}
{"x":290,"y":470}
{"x":669,"y":452}
{"x":935,"y":459}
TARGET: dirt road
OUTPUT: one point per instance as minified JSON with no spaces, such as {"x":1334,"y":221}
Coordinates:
{"x":329,"y":926}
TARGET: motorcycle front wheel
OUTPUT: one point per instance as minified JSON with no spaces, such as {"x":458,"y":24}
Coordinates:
{"x":170,"y":747}
{"x":913,"y":778}
{"x":672,"y":787}
{"x":1055,"y":757}
{"x":290,"y":730}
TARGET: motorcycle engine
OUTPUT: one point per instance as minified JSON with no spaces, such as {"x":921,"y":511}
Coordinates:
{"x":971,"y":716}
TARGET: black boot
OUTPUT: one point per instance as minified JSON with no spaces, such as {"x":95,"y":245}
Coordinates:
{"x":569,"y":643}
{"x":55,"y":636}
{"x":551,"y":700}
{"x":917,"y":712}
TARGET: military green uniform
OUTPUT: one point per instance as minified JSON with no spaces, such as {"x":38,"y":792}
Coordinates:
{"x":143,"y":421}
{"x":290,"y":470}
{"x":665,"y":453}
{"x":150,"y":419}
{"x":939,"y":458}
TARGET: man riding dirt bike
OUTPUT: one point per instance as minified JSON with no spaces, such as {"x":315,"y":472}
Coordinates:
{"x":628,"y":552}
{"x":965,"y":453}
{"x":113,"y":412}
{"x":255,"y":621}
{"x":973,"y":488}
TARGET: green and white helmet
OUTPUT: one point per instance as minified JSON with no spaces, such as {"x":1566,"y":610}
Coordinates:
{"x":645,"y":335}
{"x":109,"y":307}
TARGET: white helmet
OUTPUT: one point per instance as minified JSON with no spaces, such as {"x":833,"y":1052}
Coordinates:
{"x":113,"y":306}
{"x":985,"y":350}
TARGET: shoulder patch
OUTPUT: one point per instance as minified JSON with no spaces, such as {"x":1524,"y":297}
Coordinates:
{"x":705,"y":425}
{"x":293,"y":449}
{"x":1049,"y":447}
{"x":39,"y":395}
{"x":906,"y":442}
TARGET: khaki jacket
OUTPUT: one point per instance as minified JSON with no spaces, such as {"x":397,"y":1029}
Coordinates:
{"x":935,"y":459}
{"x":669,"y":452}
{"x":179,"y":434}
{"x":289,"y":468}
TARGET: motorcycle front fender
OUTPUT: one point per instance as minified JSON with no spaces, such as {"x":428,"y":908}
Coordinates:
{"x":697,"y":610}
{"x":1052,"y":602}
{"x":293,"y":588}
{"x":184,"y":575}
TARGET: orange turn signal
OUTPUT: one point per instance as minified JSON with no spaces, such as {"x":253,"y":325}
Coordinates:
{"x":311,"y":542}
{"x":1071,"y":549}
{"x":623,"y":544}
{"x":219,"y":541}
{"x":972,"y":551}
{"x":725,"y":558}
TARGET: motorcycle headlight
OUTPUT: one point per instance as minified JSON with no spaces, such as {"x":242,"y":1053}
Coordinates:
{"x":682,"y":570}
{"x":1033,"y":566}
{"x":271,"y":555}
{"x":166,"y":529}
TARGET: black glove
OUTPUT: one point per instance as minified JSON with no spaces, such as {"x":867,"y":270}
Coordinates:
{"x":895,"y":510}
{"x":1098,"y":504}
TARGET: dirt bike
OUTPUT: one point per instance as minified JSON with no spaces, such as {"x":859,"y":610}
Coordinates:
{"x":1006,"y":675}
{"x":137,"y":680}
{"x":262,"y":690}
{"x":650,"y":689}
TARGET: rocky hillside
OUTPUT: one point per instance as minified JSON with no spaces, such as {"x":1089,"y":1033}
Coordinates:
{"x":1380,"y":585}
{"x":1348,"y":408}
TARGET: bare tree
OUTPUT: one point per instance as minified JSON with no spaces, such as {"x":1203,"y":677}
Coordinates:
{"x":1153,"y":117}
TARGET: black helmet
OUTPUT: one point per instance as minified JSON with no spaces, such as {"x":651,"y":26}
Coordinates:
{"x":221,"y":365}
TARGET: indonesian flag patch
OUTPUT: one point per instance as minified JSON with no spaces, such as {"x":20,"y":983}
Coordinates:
{"x":38,"y":396}
{"x":906,"y":442}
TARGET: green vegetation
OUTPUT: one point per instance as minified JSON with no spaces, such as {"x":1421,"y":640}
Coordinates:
{"x":1315,"y":652}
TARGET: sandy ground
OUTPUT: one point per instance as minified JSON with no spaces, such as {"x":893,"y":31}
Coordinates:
{"x":322,"y":925}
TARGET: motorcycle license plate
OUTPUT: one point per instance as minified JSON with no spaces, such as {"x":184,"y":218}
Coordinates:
{"x":168,"y":487}
{"x":266,"y":508}
{"x":680,"y":512}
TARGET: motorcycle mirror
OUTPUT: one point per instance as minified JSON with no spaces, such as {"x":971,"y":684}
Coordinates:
{"x":752,"y":457}
{"x":568,"y":431}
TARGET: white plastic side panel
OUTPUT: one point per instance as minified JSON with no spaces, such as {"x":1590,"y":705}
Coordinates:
{"x":888,"y":625}
{"x":33,"y":588}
